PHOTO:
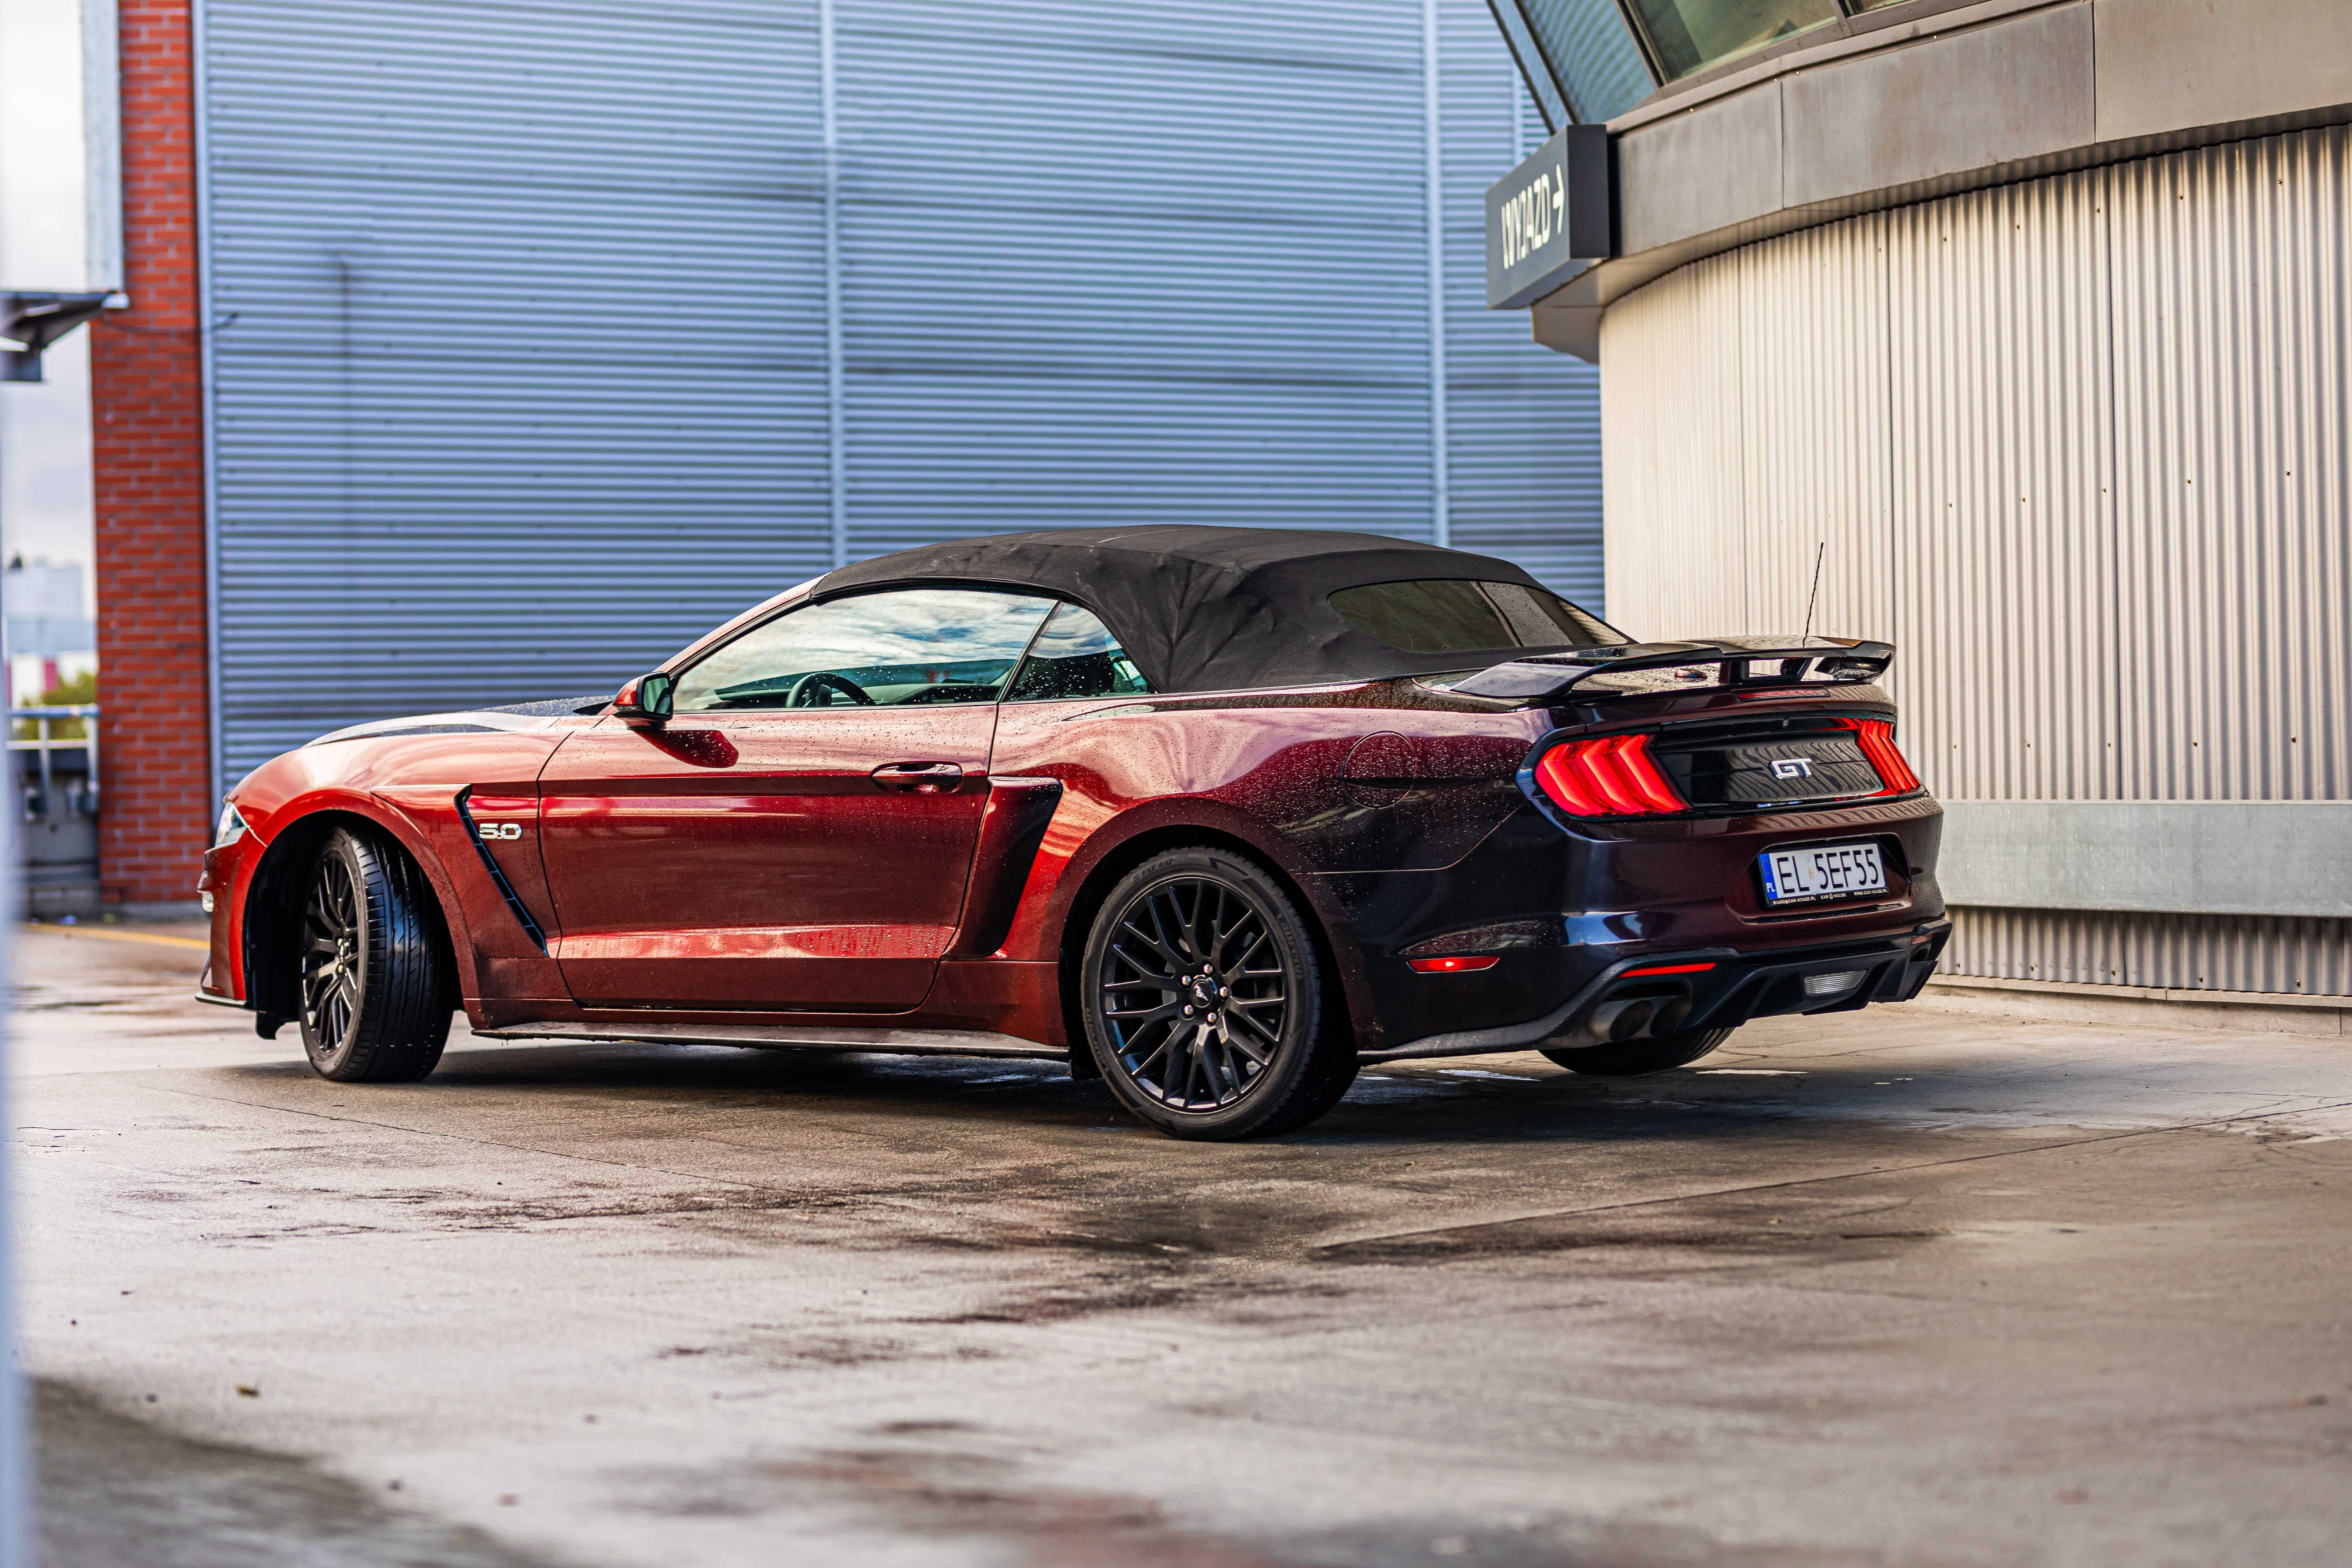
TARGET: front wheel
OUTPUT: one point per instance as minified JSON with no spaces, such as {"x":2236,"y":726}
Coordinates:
{"x":1206,"y":1005}
{"x":1631,"y":1058}
{"x":375,"y":983}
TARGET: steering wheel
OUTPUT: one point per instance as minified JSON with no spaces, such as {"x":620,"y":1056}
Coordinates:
{"x":814,"y":689}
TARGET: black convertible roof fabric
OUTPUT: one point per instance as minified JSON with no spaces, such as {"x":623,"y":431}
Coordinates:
{"x":1208,"y":609}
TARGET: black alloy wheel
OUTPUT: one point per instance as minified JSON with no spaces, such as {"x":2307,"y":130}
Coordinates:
{"x":1205,"y":1001}
{"x":375,"y":975}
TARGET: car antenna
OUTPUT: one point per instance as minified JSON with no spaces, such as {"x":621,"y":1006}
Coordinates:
{"x":1819,"y":551}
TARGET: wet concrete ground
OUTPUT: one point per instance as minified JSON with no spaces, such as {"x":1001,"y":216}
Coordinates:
{"x":1899,"y":1286}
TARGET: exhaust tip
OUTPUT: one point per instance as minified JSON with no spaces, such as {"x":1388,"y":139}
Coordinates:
{"x":1631,"y":1019}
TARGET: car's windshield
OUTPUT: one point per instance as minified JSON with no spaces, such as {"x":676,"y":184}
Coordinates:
{"x":907,"y":645}
{"x":1453,"y":615}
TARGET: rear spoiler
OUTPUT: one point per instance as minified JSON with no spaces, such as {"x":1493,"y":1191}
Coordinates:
{"x":1644,"y":669}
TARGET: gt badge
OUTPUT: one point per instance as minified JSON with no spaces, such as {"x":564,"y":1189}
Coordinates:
{"x":1792,"y":767}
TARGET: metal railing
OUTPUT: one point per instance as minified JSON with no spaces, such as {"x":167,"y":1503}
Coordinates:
{"x":48,"y":743}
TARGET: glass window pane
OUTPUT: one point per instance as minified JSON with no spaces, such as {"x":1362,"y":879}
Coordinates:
{"x":1441,"y":615}
{"x":1691,"y":35}
{"x":1587,"y":46}
{"x":1541,"y":619}
{"x":912,"y":646}
{"x":1075,"y":655}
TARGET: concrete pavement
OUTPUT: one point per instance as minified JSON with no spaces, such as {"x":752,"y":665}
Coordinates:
{"x":1907,"y":1286}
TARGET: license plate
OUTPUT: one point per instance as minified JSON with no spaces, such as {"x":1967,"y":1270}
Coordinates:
{"x":1821,"y":871}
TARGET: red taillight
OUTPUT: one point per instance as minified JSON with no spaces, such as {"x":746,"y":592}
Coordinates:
{"x":1566,"y":785}
{"x":1460,"y":966}
{"x":1876,"y":739}
{"x":1667,"y":969}
{"x":1611,"y":776}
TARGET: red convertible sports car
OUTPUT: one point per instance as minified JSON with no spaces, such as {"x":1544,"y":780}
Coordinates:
{"x":1215,"y":814}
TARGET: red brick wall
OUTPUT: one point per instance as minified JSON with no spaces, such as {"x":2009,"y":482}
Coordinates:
{"x":146,"y":411}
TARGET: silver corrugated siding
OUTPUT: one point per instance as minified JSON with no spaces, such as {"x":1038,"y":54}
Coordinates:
{"x":2190,"y":952}
{"x":2233,"y":346}
{"x":522,"y":379}
{"x":1813,"y":336}
{"x":1672,"y":451}
{"x":2106,"y":412}
{"x":2001,"y":458}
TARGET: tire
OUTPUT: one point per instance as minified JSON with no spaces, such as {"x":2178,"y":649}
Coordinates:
{"x":1205,"y":1004}
{"x":1633,"y":1058}
{"x":370,"y":969}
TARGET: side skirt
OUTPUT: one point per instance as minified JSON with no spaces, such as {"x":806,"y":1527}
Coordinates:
{"x":793,"y":1037}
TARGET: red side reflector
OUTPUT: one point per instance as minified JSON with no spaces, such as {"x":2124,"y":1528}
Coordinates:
{"x":1611,"y":776}
{"x":1461,"y":965}
{"x":1667,"y":969}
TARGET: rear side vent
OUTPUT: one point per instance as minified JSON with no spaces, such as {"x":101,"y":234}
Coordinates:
{"x":1611,"y":776}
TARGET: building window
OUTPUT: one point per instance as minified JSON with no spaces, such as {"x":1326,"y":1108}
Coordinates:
{"x":1585,"y":46}
{"x":1687,"y":36}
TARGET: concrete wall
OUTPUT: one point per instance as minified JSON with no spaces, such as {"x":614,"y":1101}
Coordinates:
{"x":2082,"y":447}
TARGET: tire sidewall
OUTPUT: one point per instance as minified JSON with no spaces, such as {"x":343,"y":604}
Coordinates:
{"x":1303,"y":1024}
{"x":360,"y":863}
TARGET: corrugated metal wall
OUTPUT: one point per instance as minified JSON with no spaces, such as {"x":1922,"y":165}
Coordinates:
{"x":550,"y":335}
{"x":2082,"y":448}
{"x":1523,"y":423}
{"x":519,"y":358}
{"x":2233,"y":347}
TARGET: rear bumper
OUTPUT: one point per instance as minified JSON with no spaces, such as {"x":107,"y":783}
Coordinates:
{"x":1717,"y":988}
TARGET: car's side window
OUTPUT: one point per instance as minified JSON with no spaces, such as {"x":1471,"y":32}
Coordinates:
{"x":1075,"y":655}
{"x":901,"y":646}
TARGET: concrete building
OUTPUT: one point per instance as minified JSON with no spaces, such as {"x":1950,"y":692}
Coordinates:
{"x":488,"y":350}
{"x":2034,"y":321}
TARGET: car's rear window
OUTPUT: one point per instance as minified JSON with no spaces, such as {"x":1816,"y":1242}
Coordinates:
{"x":1440,"y":615}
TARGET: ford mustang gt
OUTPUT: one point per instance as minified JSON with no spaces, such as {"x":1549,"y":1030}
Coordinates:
{"x":1216,"y":814}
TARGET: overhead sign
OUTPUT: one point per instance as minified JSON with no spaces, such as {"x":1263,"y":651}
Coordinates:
{"x":1550,"y":218}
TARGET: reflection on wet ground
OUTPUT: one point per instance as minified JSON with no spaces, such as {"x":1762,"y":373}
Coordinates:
{"x":1897,"y":1286}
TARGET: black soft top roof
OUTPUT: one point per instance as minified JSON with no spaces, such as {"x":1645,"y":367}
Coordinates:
{"x":1210,"y":609}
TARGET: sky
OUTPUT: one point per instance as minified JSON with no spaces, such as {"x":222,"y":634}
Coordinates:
{"x":45,"y":506}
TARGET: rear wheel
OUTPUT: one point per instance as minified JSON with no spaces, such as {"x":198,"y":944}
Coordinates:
{"x":1631,"y":1058}
{"x":375,"y":983}
{"x":1206,"y":1005}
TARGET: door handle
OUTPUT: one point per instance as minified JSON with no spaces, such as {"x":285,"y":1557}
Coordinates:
{"x":918,"y":778}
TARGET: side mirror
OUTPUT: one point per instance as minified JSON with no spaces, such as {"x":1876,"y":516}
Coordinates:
{"x":646,"y":697}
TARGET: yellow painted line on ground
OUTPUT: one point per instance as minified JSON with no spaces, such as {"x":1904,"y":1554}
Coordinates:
{"x":148,"y":936}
